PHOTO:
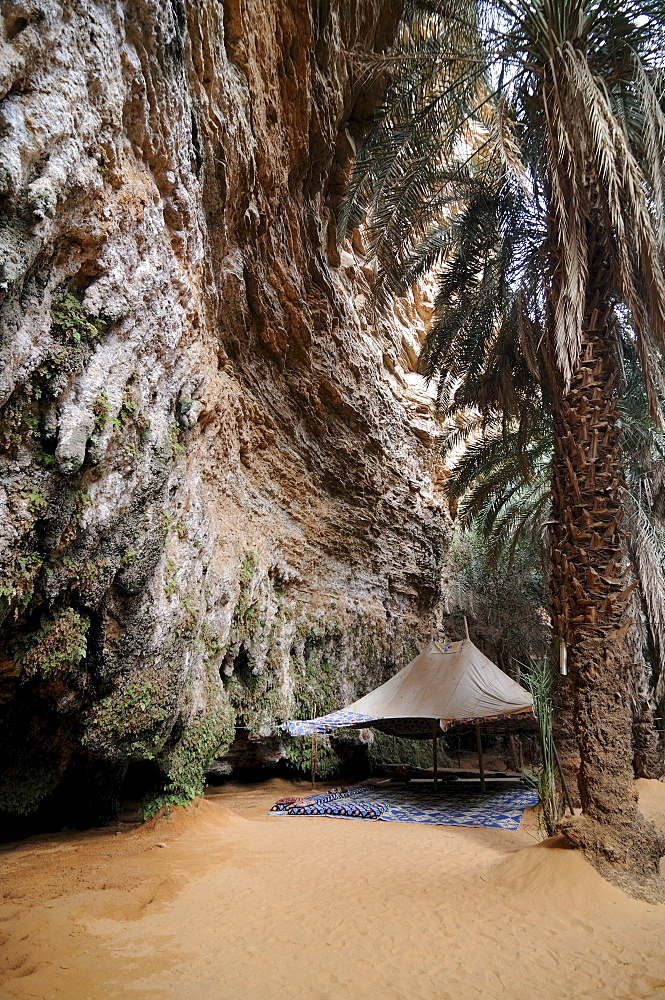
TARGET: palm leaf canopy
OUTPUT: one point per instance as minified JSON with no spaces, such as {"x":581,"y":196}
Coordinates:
{"x":506,"y":125}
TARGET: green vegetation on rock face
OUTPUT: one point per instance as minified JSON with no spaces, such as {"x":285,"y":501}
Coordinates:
{"x":298,"y":752}
{"x":22,"y":417}
{"x":57,"y":647}
{"x":28,"y":783}
{"x":208,"y":732}
{"x":74,"y":335}
{"x":19,"y":418}
{"x":278,"y":659}
{"x":48,"y":666}
{"x":386,"y":749}
{"x":245,"y":615}
{"x":317,"y":676}
{"x":254,"y":649}
{"x":211,"y":644}
{"x":71,"y":323}
{"x":256,"y":698}
{"x":132,"y":720}
{"x":335,"y":751}
{"x":292,"y":667}
{"x":17,"y":580}
{"x":100,"y":409}
{"x":248,"y":569}
{"x":177,"y":446}
{"x":313,"y":661}
{"x":284,"y":660}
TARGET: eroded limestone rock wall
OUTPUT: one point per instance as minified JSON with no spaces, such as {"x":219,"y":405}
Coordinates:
{"x":216,"y":474}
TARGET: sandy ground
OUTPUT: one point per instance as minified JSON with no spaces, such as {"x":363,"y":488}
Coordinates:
{"x":220,"y":901}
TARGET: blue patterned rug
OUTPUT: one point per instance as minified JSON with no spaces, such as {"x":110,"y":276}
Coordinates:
{"x":458,"y":807}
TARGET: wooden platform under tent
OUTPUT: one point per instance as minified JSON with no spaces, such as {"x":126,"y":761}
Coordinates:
{"x":394,"y":773}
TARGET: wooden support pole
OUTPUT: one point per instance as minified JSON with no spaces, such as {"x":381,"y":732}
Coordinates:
{"x":435,"y":751}
{"x":312,"y":756}
{"x":481,"y":763}
{"x":466,"y":627}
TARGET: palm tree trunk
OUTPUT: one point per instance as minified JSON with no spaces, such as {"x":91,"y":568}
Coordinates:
{"x":565,"y":739}
{"x":591,"y":596}
{"x":647,"y":746}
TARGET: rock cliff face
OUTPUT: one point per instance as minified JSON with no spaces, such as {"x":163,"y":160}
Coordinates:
{"x":216,"y":479}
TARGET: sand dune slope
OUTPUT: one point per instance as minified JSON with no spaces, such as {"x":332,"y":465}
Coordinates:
{"x":221,"y":901}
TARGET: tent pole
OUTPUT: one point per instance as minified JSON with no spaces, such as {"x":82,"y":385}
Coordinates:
{"x":312,"y":761}
{"x":435,"y":752}
{"x":312,"y":756}
{"x":481,"y":763}
{"x":466,"y":627}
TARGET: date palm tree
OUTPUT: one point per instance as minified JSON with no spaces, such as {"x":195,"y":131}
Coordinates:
{"x":519,"y":155}
{"x":500,"y":487}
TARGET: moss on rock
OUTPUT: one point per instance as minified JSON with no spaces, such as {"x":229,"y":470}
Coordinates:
{"x":298,"y":753}
{"x":134,"y":721}
{"x":245,"y":621}
{"x":207,"y":732}
{"x":57,"y":647}
{"x":27,"y":783}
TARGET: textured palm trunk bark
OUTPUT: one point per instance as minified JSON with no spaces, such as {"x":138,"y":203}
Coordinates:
{"x":591,"y":595}
{"x":565,"y":738}
{"x":647,"y":745}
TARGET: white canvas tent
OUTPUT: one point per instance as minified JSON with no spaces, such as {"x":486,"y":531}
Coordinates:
{"x":446,"y":687}
{"x":454,"y":686}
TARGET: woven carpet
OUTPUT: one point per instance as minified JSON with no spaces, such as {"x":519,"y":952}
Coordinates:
{"x":458,"y":807}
